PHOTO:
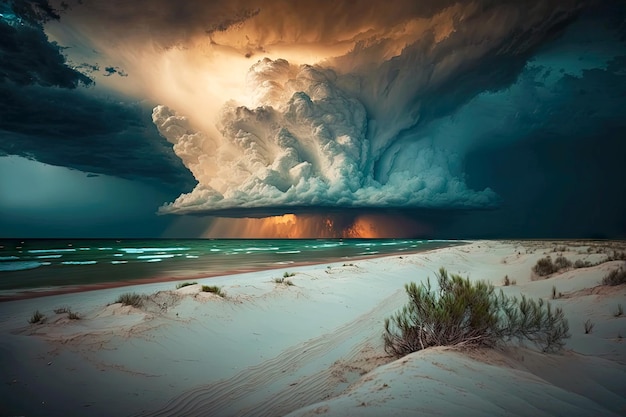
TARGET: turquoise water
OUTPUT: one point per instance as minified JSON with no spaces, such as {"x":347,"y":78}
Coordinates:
{"x":38,"y":263}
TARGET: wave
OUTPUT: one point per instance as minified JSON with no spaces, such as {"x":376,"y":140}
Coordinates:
{"x":21,"y":265}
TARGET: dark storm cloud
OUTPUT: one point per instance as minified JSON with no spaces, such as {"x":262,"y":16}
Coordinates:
{"x":26,"y":55}
{"x":73,"y":129}
{"x":44,"y":116}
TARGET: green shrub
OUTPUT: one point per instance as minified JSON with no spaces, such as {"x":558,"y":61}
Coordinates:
{"x":460,"y":312}
{"x":545,"y":266}
{"x":582,"y":264}
{"x":37,"y":317}
{"x":213,"y":289}
{"x":561,"y":262}
{"x":289,"y":274}
{"x":184,"y":284}
{"x":615,"y":277}
{"x":130,"y":299}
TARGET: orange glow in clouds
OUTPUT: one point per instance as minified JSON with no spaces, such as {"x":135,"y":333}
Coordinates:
{"x":315,"y":226}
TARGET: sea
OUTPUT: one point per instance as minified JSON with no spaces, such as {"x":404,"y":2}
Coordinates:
{"x":40,"y":265}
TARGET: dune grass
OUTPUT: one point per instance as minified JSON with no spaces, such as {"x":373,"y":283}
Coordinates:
{"x":37,"y":317}
{"x":184,"y":284}
{"x":213,"y":289}
{"x":615,"y":277}
{"x":467,"y":313}
{"x":284,"y":281}
{"x":130,"y":299}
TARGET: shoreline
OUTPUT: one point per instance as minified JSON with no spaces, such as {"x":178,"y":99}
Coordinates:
{"x":38,"y":292}
{"x":315,"y":347}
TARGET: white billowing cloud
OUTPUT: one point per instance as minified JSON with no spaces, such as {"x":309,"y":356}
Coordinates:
{"x":359,"y":127}
{"x":305,"y":144}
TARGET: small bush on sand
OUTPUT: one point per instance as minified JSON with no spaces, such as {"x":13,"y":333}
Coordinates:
{"x":130,"y":299}
{"x":545,"y":266}
{"x":289,"y":274}
{"x":561,"y":262}
{"x":282,"y":280}
{"x":61,"y":310}
{"x":213,"y":289}
{"x":460,"y":312}
{"x":37,"y":317}
{"x":615,"y":277}
{"x":184,"y":284}
{"x":507,"y":281}
{"x":582,"y":264}
{"x":72,"y":315}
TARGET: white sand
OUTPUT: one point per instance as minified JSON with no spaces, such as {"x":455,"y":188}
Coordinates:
{"x":314,"y":348}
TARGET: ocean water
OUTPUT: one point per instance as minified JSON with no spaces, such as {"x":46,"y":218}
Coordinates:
{"x":39,"y":263}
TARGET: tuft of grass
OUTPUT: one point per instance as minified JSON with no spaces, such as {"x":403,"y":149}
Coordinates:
{"x":37,"y":317}
{"x":588,"y":326}
{"x":213,"y":289}
{"x":620,"y":311}
{"x":284,"y":281}
{"x":507,"y":281}
{"x":62,"y":310}
{"x":130,"y":299}
{"x":615,"y":277}
{"x":72,"y":315}
{"x":460,"y":312}
{"x":289,"y":274}
{"x":184,"y":284}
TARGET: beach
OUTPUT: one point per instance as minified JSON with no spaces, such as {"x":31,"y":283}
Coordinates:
{"x":267,"y":348}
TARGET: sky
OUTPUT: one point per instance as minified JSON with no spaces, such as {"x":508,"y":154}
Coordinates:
{"x":429,"y":118}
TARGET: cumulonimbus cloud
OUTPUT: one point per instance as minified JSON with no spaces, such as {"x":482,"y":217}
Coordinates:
{"x":349,"y":131}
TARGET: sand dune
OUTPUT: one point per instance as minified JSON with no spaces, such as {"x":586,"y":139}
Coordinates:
{"x":314,"y":348}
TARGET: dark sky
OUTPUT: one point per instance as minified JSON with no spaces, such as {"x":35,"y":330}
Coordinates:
{"x":442,"y":119}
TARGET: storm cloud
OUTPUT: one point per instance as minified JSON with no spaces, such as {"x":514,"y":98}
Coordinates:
{"x":295,"y":107}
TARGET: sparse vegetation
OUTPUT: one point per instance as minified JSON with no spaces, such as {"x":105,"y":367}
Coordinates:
{"x":213,"y":289}
{"x":544,"y":267}
{"x":130,"y":299}
{"x":620,"y":311}
{"x":37,"y":317}
{"x":72,"y":315}
{"x":507,"y":281}
{"x":62,"y":310}
{"x":616,"y":256}
{"x":284,"y":281}
{"x":615,"y":277}
{"x":588,"y":326}
{"x":184,"y":284}
{"x":582,"y":264}
{"x":460,"y":312}
{"x":561,"y":262}
{"x":289,"y":274}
